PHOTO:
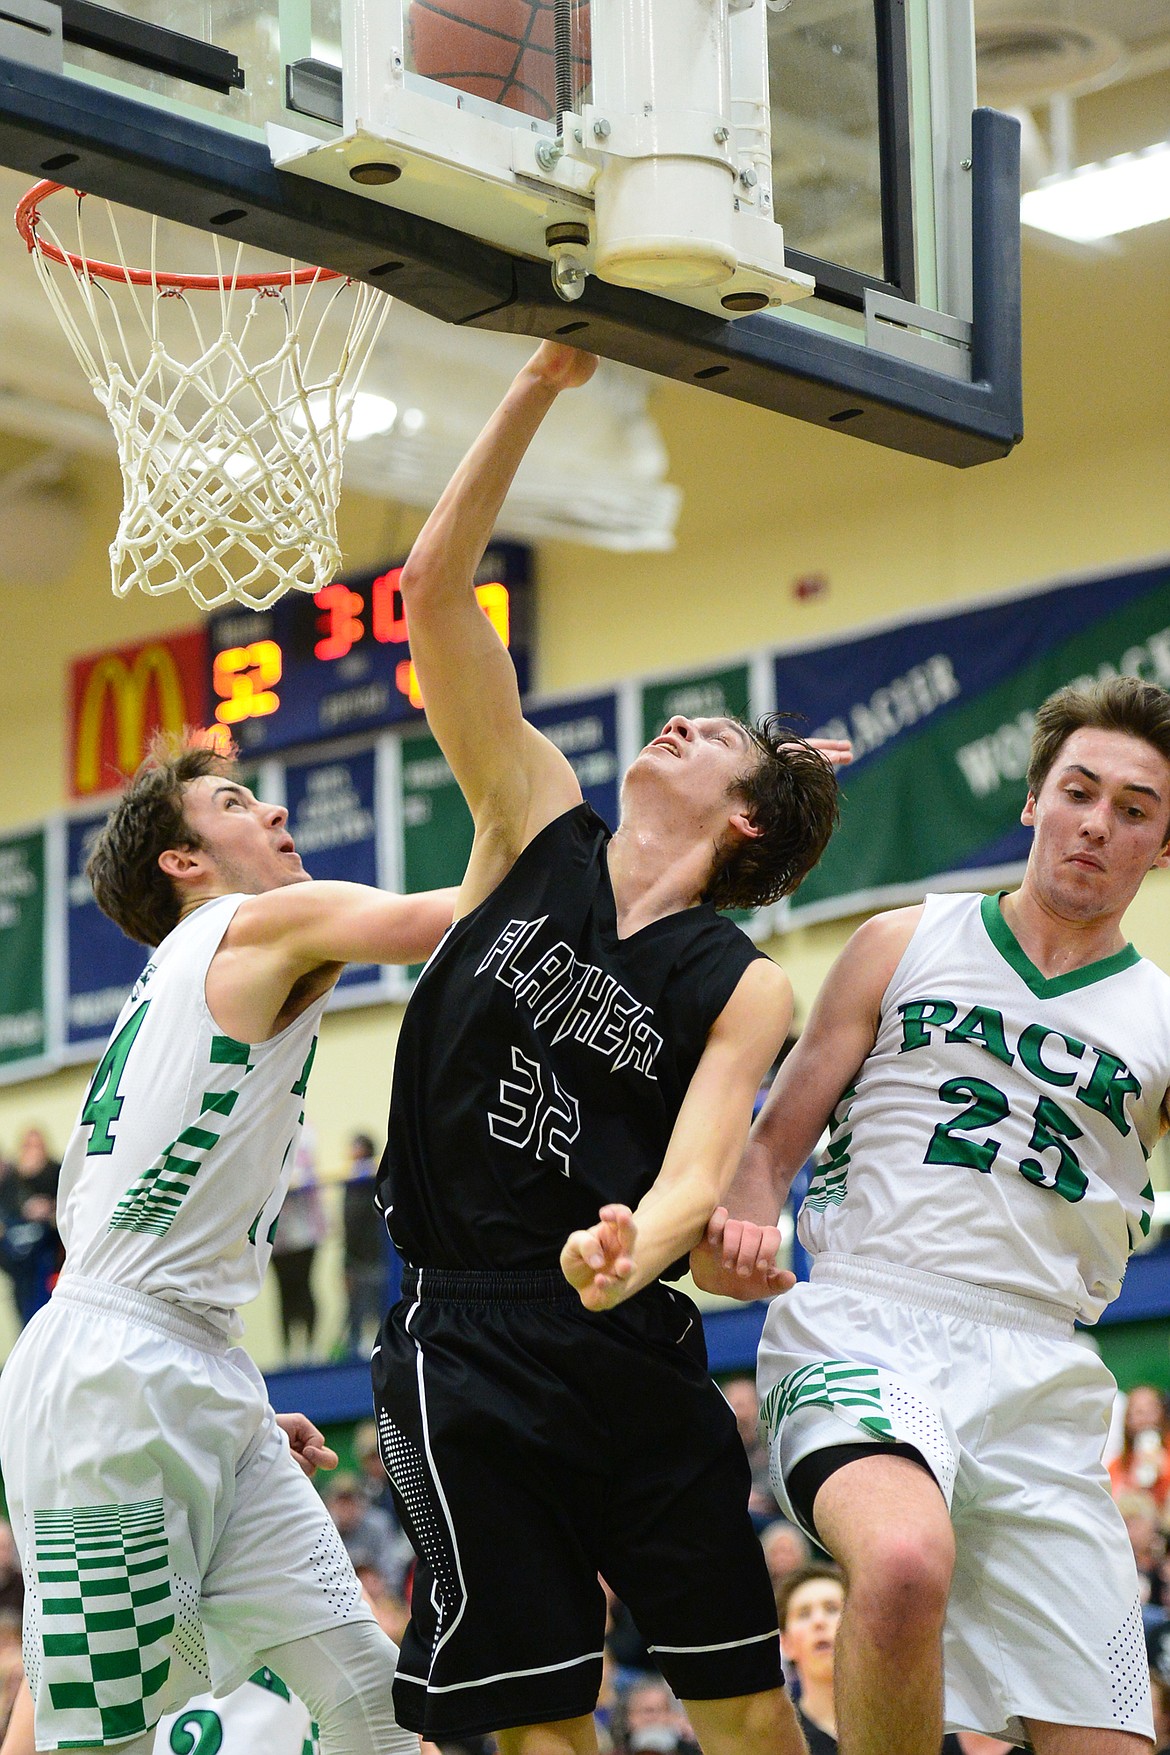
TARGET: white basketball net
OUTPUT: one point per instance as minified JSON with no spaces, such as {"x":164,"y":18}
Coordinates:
{"x":230,"y":407}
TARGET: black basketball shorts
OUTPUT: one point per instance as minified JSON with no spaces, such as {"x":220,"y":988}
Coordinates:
{"x":532,"y":1445}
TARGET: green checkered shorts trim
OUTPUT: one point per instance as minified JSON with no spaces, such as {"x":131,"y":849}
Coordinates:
{"x":106,"y":1615}
{"x":855,"y":1391}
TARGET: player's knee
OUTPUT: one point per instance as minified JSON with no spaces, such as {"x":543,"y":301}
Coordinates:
{"x":572,"y":1736}
{"x":769,"y":1723}
{"x":750,"y":1724}
{"x":901,"y":1590}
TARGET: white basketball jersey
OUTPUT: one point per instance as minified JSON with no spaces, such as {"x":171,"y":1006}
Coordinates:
{"x":259,"y":1718}
{"x":178,"y":1166}
{"x":998,"y":1131}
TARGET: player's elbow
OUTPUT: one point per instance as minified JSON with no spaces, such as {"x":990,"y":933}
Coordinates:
{"x":421,"y":576}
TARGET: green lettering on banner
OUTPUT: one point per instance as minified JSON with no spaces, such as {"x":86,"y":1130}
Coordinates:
{"x":708,"y":694}
{"x":919,"y":1017}
{"x":983,"y":1027}
{"x":22,"y":947}
{"x":911,"y":812}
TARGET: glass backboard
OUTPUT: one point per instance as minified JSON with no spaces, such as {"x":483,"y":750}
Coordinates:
{"x":528,"y":165}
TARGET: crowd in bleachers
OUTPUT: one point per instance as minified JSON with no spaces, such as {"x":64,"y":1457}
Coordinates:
{"x":30,"y":1249}
{"x":315,"y":1208}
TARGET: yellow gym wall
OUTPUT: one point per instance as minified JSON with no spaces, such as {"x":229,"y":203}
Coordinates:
{"x":766,"y":501}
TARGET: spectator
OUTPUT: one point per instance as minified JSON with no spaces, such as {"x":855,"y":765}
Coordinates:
{"x":1149,"y":1547}
{"x":11,"y":1577}
{"x":1144,"y":1463}
{"x":1158,"y":1652}
{"x":30,"y":1249}
{"x":366,"y":1247}
{"x":11,"y":1665}
{"x":300,"y":1227}
{"x":785,"y":1549}
{"x":649,"y":1719}
{"x":624,"y":1643}
{"x":370,"y":1537}
{"x":375,"y":1483}
{"x":740,"y":1393}
{"x":389,"y":1610}
{"x":376,"y":1487}
{"x":809,"y":1605}
{"x":1161,"y":1697}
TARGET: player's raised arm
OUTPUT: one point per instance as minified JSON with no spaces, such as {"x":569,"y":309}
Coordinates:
{"x":615,"y":1258}
{"x":513,"y":779}
{"x":840,"y":1032}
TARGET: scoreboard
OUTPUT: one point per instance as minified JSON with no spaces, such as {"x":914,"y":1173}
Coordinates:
{"x":324,"y":666}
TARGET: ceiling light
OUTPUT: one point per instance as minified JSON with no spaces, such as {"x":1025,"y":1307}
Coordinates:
{"x":241,"y":466}
{"x":369,"y":414}
{"x":1098,"y":201}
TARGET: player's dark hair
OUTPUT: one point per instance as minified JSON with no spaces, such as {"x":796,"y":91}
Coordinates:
{"x":123,"y":869}
{"x":1121,"y":703}
{"x":791,"y":1583}
{"x":791,"y":795}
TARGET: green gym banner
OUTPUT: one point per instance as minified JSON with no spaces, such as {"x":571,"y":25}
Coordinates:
{"x":22,"y":947}
{"x":436,"y":824}
{"x":706,"y":694}
{"x":437,"y":830}
{"x":940,"y":710}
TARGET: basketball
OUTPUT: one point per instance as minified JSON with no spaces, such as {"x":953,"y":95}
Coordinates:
{"x":502,"y":50}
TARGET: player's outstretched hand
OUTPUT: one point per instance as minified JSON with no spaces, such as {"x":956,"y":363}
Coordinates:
{"x":308,"y":1446}
{"x":561,"y":367}
{"x":837,"y":751}
{"x":738,"y":1259}
{"x":598,"y":1262}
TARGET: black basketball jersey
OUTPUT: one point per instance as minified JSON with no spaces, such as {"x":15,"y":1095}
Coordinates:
{"x":543,"y":1060}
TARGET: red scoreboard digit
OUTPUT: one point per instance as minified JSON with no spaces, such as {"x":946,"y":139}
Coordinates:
{"x":320,"y":666}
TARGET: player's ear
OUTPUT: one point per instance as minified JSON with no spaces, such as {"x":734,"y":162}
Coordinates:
{"x":741,"y":824}
{"x":1028,"y":814}
{"x":180,"y":863}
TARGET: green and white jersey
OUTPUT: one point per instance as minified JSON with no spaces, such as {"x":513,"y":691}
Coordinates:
{"x":259,"y":1718}
{"x":177,"y":1168}
{"x":999,"y":1130}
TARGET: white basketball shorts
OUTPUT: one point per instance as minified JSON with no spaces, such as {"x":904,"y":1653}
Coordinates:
{"x":262,"y":1717}
{"x":1010,"y":1413}
{"x":167,"y":1536}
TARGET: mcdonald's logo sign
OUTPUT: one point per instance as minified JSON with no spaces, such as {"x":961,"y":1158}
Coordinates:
{"x":119,"y":699}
